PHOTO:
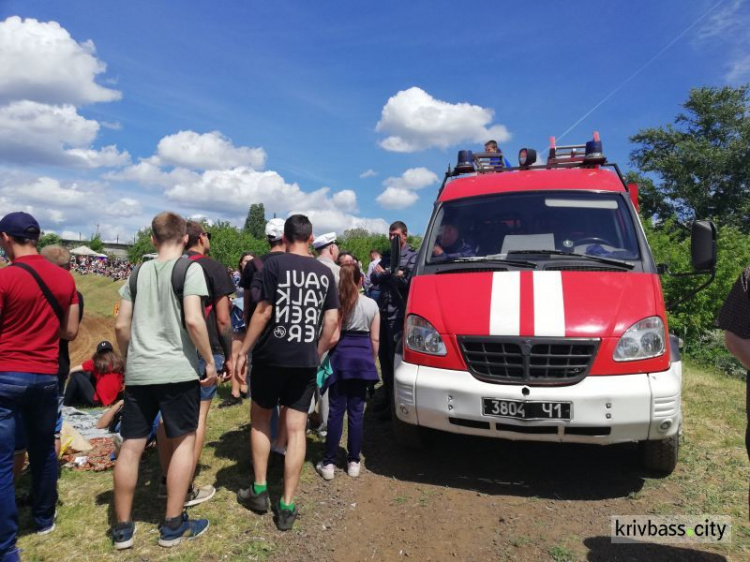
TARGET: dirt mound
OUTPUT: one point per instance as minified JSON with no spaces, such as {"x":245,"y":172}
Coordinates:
{"x":92,"y":331}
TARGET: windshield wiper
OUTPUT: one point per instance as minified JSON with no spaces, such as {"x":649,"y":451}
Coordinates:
{"x":608,"y":261}
{"x":488,"y":259}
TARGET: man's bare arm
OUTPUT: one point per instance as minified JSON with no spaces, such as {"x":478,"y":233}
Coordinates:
{"x":738,"y":347}
{"x":196,"y":327}
{"x":122,"y":326}
{"x":330,"y":323}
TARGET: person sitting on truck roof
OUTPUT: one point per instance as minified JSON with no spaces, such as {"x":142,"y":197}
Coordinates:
{"x":500,"y":162}
{"x":450,"y":245}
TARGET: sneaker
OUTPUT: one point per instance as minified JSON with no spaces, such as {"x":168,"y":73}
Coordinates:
{"x":189,"y":529}
{"x":327,"y":471}
{"x":48,"y":530}
{"x":231,"y":401}
{"x":257,"y":503}
{"x":285,"y":518}
{"x":199,"y":495}
{"x":243,"y":394}
{"x":352,"y":469}
{"x":122,"y":535}
{"x":278,"y":450}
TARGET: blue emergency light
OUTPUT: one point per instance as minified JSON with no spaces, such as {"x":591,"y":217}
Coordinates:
{"x":465,"y":162}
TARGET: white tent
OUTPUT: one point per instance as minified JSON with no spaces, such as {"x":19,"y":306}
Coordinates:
{"x":86,"y":251}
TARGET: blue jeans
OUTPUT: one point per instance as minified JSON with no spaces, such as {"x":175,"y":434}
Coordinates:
{"x":345,"y":396}
{"x":35,"y":397}
{"x":208,"y":392}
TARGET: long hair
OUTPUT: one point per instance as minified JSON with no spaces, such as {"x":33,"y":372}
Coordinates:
{"x":349,"y":279}
{"x":242,"y":257}
{"x":108,"y":362}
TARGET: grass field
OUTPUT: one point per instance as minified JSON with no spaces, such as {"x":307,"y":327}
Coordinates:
{"x":711,"y":478}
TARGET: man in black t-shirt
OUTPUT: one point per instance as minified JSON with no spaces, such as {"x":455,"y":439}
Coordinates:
{"x":296,"y":295}
{"x":219,"y":325}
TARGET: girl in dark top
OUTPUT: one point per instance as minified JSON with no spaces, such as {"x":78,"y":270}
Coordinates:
{"x":353,"y":365}
{"x":98,"y":381}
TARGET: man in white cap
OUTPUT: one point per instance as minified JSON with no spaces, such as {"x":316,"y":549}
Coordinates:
{"x":328,"y":252}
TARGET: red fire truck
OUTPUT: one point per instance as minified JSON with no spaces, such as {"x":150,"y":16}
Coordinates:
{"x":536,"y":311}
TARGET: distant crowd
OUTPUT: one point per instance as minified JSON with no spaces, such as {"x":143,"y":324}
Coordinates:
{"x":115,"y":269}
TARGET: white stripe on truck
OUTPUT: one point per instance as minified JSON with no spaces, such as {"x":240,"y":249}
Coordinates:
{"x":505,"y":304}
{"x":549,"y":307}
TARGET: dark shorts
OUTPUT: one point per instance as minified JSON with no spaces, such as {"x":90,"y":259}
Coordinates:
{"x":290,"y":387}
{"x":179,"y":404}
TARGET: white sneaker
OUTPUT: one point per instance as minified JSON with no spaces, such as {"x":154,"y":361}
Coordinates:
{"x":325,"y":470}
{"x":352,"y":469}
{"x":278,"y":450}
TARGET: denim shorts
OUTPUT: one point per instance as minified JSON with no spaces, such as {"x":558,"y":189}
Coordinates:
{"x":208,"y":392}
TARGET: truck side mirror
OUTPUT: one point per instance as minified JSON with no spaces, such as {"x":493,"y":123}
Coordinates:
{"x":703,"y":245}
{"x":395,"y":253}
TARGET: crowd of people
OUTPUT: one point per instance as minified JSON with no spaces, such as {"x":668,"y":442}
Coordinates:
{"x":116,"y":269}
{"x":300,"y":335}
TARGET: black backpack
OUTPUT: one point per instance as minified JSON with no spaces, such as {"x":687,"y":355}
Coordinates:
{"x":178,"y":282}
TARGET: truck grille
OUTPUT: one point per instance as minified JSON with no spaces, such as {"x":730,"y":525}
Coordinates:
{"x":531,"y":361}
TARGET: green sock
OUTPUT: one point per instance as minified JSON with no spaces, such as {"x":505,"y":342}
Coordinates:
{"x":259,"y":488}
{"x":286,"y":507}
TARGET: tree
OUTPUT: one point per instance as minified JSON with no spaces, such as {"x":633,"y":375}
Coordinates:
{"x":255,"y":223}
{"x":49,"y":239}
{"x":96,"y":243}
{"x":141,"y":246}
{"x":653,"y":204}
{"x":703,"y":159}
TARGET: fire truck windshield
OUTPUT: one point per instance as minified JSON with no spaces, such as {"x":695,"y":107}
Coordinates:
{"x":534,"y":225}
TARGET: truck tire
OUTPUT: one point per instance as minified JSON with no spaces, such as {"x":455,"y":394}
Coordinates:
{"x":661,"y":456}
{"x":407,"y":435}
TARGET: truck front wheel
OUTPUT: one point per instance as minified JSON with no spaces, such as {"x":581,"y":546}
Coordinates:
{"x":661,"y":456}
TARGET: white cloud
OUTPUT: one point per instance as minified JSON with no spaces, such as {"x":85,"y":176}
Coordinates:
{"x":148,"y":173}
{"x":399,"y":192}
{"x":332,"y":220}
{"x":416,"y":121}
{"x":727,"y":28}
{"x":345,"y":200}
{"x":368,"y":174}
{"x":73,"y":207}
{"x":209,"y":151}
{"x":413,"y":178}
{"x":32,"y":132}
{"x":397,"y":198}
{"x":42,"y":62}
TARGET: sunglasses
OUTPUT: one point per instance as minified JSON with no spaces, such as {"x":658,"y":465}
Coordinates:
{"x":206,"y":234}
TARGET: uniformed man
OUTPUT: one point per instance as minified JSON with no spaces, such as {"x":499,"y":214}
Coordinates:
{"x":392,"y":303}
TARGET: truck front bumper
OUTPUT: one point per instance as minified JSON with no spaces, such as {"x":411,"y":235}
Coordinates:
{"x":604,"y":409}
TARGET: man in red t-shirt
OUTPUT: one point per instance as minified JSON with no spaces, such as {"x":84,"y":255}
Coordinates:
{"x":38,"y":306}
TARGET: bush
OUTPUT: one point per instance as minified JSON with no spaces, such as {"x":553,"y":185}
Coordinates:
{"x":695,"y":320}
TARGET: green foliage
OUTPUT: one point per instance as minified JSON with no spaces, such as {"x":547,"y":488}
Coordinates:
{"x":49,"y":239}
{"x":255,"y":223}
{"x":703,"y":159}
{"x":141,"y":246}
{"x":228,"y":243}
{"x":651,"y":200}
{"x":359,"y":242}
{"x":670,"y":244}
{"x":96,"y":243}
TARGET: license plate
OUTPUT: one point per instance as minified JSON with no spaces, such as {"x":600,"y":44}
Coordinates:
{"x":526,"y":410}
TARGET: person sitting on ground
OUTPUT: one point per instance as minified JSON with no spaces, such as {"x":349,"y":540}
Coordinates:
{"x":450,"y":245}
{"x":353,"y":365}
{"x":97,"y":381}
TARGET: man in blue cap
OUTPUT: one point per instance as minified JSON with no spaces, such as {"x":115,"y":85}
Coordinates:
{"x":38,"y":306}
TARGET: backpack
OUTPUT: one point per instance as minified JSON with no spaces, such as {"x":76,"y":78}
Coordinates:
{"x":257,"y":264}
{"x":178,"y":282}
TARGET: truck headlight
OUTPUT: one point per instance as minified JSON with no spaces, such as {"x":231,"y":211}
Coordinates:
{"x":422,"y":336}
{"x":644,"y":339}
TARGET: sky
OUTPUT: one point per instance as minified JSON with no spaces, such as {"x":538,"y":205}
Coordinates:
{"x":349,"y":112}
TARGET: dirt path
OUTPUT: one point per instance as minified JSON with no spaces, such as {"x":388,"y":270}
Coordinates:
{"x":475,"y":499}
{"x":464,"y":498}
